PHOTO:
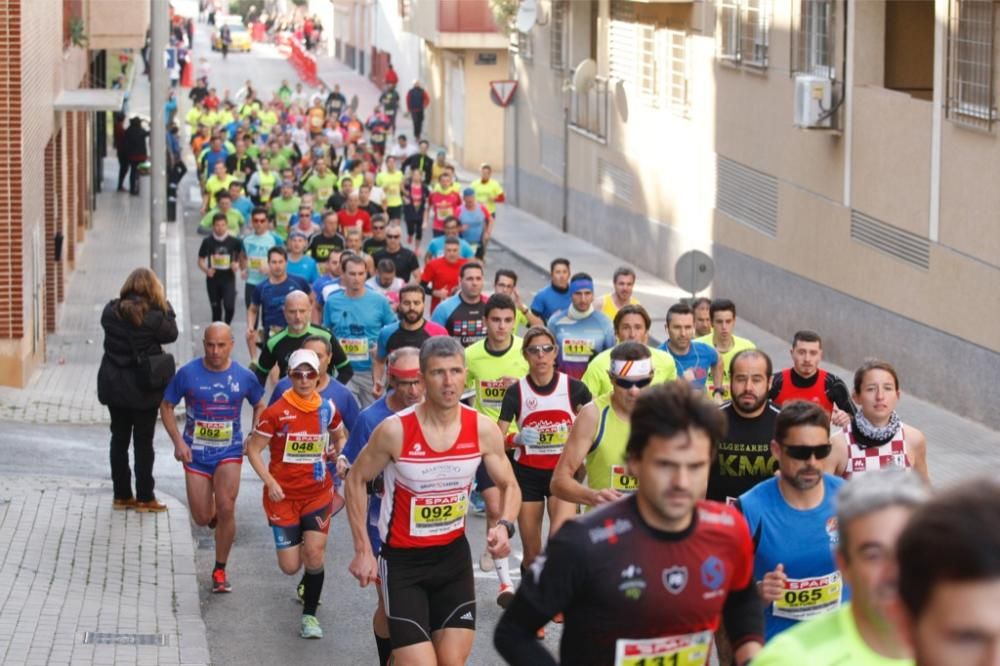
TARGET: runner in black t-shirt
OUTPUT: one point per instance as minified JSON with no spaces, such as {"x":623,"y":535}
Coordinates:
{"x":377,"y":241}
{"x":326,"y":241}
{"x":411,"y":331}
{"x":744,"y":458}
{"x":646,"y":580}
{"x":218,"y":256}
{"x":403,"y":257}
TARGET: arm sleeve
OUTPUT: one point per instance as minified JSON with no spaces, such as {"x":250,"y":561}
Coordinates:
{"x":776,"y":383}
{"x":837,"y":392}
{"x":262,"y":366}
{"x":579,"y":393}
{"x":511,"y":405}
{"x":743,"y":616}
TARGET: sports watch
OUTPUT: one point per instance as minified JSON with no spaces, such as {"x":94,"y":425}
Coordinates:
{"x":511,"y":530}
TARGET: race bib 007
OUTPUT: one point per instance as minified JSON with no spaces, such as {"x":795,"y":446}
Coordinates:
{"x":491,"y":392}
{"x":683,"y":650}
{"x":808,"y":597}
{"x":434,"y":516}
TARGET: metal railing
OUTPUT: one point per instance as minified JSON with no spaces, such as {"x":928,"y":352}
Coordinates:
{"x":588,"y":111}
{"x":971,"y":63}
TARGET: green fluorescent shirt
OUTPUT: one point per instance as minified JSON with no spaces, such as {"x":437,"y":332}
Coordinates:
{"x":485,"y":370}
{"x":831,"y":639}
{"x":739,"y":344}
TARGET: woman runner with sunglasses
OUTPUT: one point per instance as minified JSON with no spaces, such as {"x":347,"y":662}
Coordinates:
{"x":792,"y":518}
{"x":544,"y":405}
{"x":600,"y":432}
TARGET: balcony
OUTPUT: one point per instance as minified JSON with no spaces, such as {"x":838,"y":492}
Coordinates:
{"x":454,"y":24}
{"x":116,"y":24}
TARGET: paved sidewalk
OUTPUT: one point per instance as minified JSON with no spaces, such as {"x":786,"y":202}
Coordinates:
{"x":64,"y":389}
{"x":81,"y":583}
{"x":958,"y":447}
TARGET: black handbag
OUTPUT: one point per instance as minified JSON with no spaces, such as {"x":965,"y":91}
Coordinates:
{"x":153,"y":371}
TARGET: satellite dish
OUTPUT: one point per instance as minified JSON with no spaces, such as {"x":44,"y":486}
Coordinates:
{"x":694,"y":271}
{"x":621,"y":100}
{"x":527,"y":16}
{"x":583,"y":77}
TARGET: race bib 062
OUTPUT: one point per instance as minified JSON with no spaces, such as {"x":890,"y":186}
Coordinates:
{"x":212,"y":433}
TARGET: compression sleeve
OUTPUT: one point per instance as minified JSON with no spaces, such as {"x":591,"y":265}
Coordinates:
{"x":743,"y":616}
{"x":262,"y":366}
{"x":776,"y":382}
{"x":511,"y":404}
{"x":837,"y":392}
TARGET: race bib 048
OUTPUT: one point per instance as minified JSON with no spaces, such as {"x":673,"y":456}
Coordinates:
{"x":808,"y":597}
{"x":683,"y":650}
{"x":434,"y":516}
{"x":303,"y":448}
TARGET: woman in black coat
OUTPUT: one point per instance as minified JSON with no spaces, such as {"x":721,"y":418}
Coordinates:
{"x":135,"y":325}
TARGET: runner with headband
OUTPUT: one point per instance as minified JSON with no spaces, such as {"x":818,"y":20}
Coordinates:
{"x":581,"y":332}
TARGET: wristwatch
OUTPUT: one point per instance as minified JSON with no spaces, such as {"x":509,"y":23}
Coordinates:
{"x":511,"y":530}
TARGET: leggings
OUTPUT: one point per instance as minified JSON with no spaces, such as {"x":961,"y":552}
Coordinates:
{"x":222,"y":296}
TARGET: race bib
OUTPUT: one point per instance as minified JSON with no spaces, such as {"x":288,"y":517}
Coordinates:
{"x":303,"y":448}
{"x":491,"y":392}
{"x":355,"y":348}
{"x":808,"y":597}
{"x":378,"y":137}
{"x":258,"y":263}
{"x":550,"y":442}
{"x":324,"y":193}
{"x":577,"y":350}
{"x":281,"y":220}
{"x":683,"y":650}
{"x":212,"y":434}
{"x":221,"y":262}
{"x":434,"y":516}
{"x":265,"y":192}
{"x":622,"y":481}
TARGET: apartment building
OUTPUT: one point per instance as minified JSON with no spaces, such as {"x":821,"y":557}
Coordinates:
{"x":52,"y":55}
{"x":836,"y":158}
{"x":453,"y":47}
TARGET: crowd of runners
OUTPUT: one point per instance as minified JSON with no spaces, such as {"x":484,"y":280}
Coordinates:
{"x":697,"y":497}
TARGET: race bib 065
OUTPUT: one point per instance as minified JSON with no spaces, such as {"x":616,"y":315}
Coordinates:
{"x":808,"y":597}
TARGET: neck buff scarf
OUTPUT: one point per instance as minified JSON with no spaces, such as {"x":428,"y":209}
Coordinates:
{"x":872,"y":435}
{"x":576,"y":315}
{"x":310,"y":404}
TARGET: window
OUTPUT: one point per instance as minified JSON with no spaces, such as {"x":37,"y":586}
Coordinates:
{"x":522,"y":44}
{"x":622,"y":45}
{"x":744,"y":31}
{"x":677,"y":76}
{"x":647,"y":75}
{"x":559,"y":34}
{"x":589,"y":111}
{"x":970,"y":63}
{"x":813,"y":42}
{"x":404,"y":8}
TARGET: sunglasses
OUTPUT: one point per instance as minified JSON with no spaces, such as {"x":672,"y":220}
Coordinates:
{"x":540,"y":349}
{"x":303,"y":374}
{"x":629,"y":383}
{"x":393,"y":236}
{"x":804,"y":452}
{"x":378,"y":228}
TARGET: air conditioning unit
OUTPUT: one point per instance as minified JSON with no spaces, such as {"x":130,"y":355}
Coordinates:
{"x":813,"y":102}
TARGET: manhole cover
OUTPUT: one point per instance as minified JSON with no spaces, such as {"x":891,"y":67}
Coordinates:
{"x":102,"y":638}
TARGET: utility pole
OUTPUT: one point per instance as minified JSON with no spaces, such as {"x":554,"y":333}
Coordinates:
{"x":159,"y":33}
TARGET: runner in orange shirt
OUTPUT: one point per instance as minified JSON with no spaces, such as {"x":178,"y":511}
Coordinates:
{"x":302,"y":432}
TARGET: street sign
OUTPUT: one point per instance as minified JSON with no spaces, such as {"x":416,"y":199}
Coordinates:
{"x":502,"y":92}
{"x":694,"y":271}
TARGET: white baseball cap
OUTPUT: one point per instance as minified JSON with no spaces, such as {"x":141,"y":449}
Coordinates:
{"x":303,"y":357}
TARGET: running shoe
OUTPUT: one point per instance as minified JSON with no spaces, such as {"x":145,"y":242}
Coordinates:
{"x":310,"y":627}
{"x":505,"y":596}
{"x":477,"y":502}
{"x":558,"y":619}
{"x":540,"y":634}
{"x":219,"y":581}
{"x":486,"y":562}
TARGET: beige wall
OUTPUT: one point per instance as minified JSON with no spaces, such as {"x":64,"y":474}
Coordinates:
{"x":116,"y":24}
{"x":483,"y":141}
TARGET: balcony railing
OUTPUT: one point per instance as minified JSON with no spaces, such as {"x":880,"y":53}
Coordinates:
{"x":588,"y":112}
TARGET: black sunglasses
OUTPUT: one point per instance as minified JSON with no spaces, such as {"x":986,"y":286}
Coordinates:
{"x":629,"y":383}
{"x":804,"y":452}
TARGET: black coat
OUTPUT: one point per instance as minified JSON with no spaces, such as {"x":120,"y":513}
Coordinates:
{"x":134,"y":142}
{"x":117,"y":384}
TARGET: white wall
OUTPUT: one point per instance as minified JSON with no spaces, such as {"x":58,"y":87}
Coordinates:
{"x":404,"y":47}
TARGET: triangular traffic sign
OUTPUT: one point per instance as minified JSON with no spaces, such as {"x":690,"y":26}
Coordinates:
{"x":503,"y":91}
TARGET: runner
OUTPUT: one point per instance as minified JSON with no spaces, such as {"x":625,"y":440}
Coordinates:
{"x":494,"y":364}
{"x":268,"y":299}
{"x":281,"y":345}
{"x":218,"y":257}
{"x":794,"y":523}
{"x":283,"y":207}
{"x":406,"y":389}
{"x":745,"y":457}
{"x":488,"y":191}
{"x":415,"y":196}
{"x":391,"y":181}
{"x":262,"y":183}
{"x":377,"y":242}
{"x":646,"y":580}
{"x":213,"y":389}
{"x":435,"y":249}
{"x":702,"y":309}
{"x":949,"y":577}
{"x":444,"y":202}
{"x":403,"y":258}
{"x":355,"y":247}
{"x":410,"y":331}
{"x":326,"y":241}
{"x":543,"y":405}
{"x":805,"y":380}
{"x":875,"y":438}
{"x":554,"y":296}
{"x":256,"y":246}
{"x":299,"y":262}
{"x":475,"y":222}
{"x":599,"y":434}
{"x":463,"y":315}
{"x":321,"y":183}
{"x":871,"y":514}
{"x":302,"y":431}
{"x":356,"y":315}
{"x":425,"y":565}
{"x":440,"y":276}
{"x":328,"y":282}
{"x":581,"y":332}
{"x":696,"y":361}
{"x":722,"y":338}
{"x":631,"y":325}
{"x":623,"y":282}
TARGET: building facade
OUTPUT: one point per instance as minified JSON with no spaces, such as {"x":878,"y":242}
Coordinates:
{"x":453,"y":47}
{"x":835,"y":158}
{"x":48,"y":144}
